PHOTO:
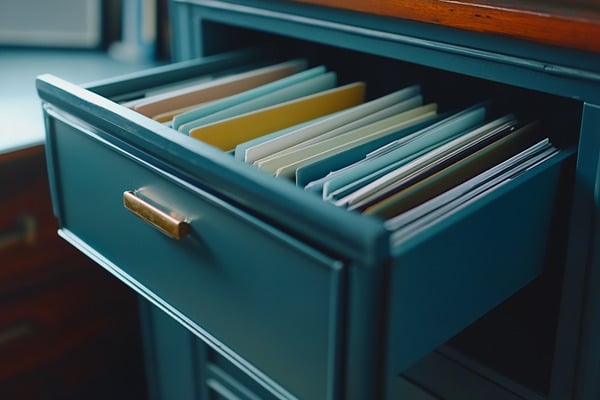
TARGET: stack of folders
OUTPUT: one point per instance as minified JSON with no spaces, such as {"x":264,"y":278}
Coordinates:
{"x":393,"y":157}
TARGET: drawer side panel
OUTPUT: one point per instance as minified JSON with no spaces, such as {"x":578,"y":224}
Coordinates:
{"x":447,"y":277}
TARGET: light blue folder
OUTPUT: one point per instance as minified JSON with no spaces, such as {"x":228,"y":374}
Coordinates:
{"x":398,"y":154}
{"x":400,"y":151}
{"x":230,"y":101}
{"x":312,"y":176}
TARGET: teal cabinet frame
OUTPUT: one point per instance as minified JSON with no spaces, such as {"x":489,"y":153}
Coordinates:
{"x":559,"y":71}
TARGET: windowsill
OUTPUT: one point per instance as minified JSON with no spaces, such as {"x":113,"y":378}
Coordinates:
{"x":20,"y":108}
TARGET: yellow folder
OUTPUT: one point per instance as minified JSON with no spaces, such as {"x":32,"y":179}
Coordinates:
{"x":230,"y":132}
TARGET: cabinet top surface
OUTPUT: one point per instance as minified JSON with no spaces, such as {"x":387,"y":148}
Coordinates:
{"x":566,"y":23}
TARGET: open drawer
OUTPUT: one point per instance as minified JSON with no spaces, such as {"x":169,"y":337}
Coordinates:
{"x":302,"y":295}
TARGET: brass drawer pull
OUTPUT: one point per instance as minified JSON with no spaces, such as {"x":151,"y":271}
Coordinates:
{"x":25,"y":233}
{"x":171,"y":226}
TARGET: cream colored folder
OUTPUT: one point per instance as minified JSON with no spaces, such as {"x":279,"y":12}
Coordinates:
{"x":216,"y":88}
{"x":230,"y":132}
{"x":286,"y":164}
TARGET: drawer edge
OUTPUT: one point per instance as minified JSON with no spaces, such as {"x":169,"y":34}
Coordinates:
{"x":352,"y":235}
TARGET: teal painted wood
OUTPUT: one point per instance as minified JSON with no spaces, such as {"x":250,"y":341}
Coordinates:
{"x":457,"y":270}
{"x":557,"y":71}
{"x":148,"y":344}
{"x":587,"y":383}
{"x":203,"y":353}
{"x":367,"y":299}
{"x":403,"y":389}
{"x":244,"y":283}
{"x":171,"y":359}
{"x":222,"y":377}
{"x":411,"y":30}
{"x":183,"y":47}
{"x":52,"y":177}
{"x":580,"y":261}
{"x":444,"y":374}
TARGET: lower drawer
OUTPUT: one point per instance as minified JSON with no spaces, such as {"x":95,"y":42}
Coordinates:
{"x":222,"y":385}
{"x":303,"y":296}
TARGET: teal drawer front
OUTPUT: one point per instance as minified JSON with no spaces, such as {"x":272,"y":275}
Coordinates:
{"x":260,"y":295}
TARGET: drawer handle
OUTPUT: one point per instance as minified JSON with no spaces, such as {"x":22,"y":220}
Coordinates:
{"x":26,"y":232}
{"x":171,"y":226}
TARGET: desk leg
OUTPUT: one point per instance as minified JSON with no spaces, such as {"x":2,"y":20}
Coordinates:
{"x":169,"y":350}
{"x":588,"y":378}
{"x":577,"y":354}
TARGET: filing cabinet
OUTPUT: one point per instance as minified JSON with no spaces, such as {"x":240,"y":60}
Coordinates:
{"x":283,"y":295}
{"x":65,"y":326}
